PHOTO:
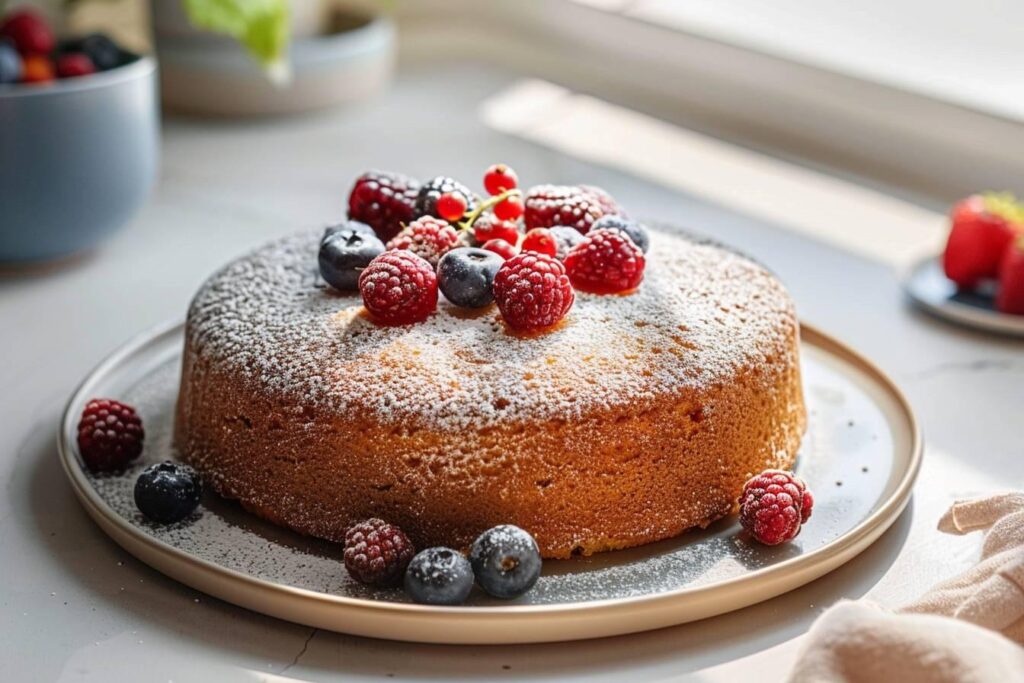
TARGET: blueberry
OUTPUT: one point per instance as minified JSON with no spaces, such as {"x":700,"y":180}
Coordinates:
{"x":565,"y":239}
{"x":10,"y":63}
{"x":168,"y":492}
{"x":635,"y":231}
{"x":466,"y":275}
{"x":345,"y":252}
{"x":348,"y":225}
{"x":506,"y":561}
{"x":439,"y":576}
{"x":104,"y":52}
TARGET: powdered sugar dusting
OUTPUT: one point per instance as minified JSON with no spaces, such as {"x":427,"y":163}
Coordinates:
{"x":701,"y":313}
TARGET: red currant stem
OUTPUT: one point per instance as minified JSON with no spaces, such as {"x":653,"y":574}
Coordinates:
{"x":468,"y":221}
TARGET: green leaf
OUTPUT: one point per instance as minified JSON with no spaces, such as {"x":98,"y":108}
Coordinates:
{"x":260,"y":25}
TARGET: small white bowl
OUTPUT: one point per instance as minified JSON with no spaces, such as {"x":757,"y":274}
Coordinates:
{"x":349,"y":63}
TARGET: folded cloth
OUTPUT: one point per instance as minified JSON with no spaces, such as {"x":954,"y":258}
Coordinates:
{"x":961,"y":630}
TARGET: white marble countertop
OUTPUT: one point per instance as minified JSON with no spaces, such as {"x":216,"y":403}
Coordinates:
{"x":76,"y":607}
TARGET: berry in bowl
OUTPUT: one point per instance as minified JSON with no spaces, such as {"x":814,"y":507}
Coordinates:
{"x":81,"y":131}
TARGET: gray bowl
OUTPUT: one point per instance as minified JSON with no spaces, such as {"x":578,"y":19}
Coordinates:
{"x":77,"y":159}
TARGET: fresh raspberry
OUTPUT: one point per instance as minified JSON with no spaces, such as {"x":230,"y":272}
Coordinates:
{"x":487,"y":228}
{"x":499,"y":178}
{"x":377,"y":553}
{"x":384,"y":201}
{"x":428,"y":237}
{"x":509,"y":209}
{"x":74,"y":64}
{"x":110,"y":435}
{"x":604,"y":200}
{"x":541,"y":241}
{"x":550,"y":205}
{"x":29,"y":32}
{"x":501,"y":248}
{"x":430,"y":193}
{"x":399,"y":288}
{"x":532,"y":291}
{"x":773,"y":506}
{"x":605,"y":262}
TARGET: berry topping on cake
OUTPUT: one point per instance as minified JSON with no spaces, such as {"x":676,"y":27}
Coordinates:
{"x":487,"y":228}
{"x":774,"y":505}
{"x":540,"y":240}
{"x":439,"y":576}
{"x":110,"y":435}
{"x":451,"y":206}
{"x":506,"y":561}
{"x":605,"y":262}
{"x":1010,"y":297}
{"x":565,"y":239}
{"x":982,"y":228}
{"x":399,"y":288}
{"x":501,"y":248}
{"x":427,"y":237}
{"x":604,"y":200}
{"x":384,"y":201}
{"x":550,"y":205}
{"x":636,"y":231}
{"x":168,"y":492}
{"x":345,"y":252}
{"x":377,"y":553}
{"x":509,"y":209}
{"x":532,"y":291}
{"x":466,"y":276}
{"x":499,"y":178}
{"x":433,"y":190}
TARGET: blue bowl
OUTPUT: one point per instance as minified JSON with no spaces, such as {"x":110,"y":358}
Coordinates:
{"x":78,"y":157}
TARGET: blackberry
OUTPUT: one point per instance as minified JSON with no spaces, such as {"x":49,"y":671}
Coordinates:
{"x":426,"y":198}
{"x":99,"y":48}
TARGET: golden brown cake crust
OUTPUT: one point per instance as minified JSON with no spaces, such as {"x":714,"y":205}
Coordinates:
{"x":639,"y":417}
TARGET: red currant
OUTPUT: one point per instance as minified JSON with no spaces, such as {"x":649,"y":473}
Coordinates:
{"x":501,"y":248}
{"x":489,"y":228}
{"x":451,"y":206}
{"x":509,"y":209}
{"x":541,"y":241}
{"x":499,"y":178}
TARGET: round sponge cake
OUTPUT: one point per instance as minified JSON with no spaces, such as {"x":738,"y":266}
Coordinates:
{"x":636,"y":418}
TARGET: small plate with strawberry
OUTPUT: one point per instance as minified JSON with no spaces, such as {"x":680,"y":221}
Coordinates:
{"x":979,"y":279}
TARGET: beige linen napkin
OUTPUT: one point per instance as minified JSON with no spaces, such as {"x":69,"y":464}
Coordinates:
{"x":860,"y":642}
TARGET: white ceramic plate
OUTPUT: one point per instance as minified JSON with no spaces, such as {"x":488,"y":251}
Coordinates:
{"x":929,"y":288}
{"x":860,"y":457}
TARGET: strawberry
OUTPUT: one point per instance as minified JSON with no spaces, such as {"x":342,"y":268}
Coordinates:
{"x":983,"y":227}
{"x":1010,"y":297}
